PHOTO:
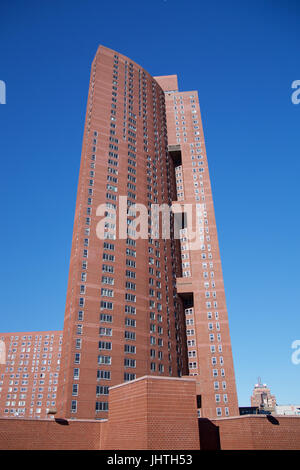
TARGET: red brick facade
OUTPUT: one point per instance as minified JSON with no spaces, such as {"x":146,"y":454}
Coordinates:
{"x":208,"y":337}
{"x":123,"y":317}
{"x":153,"y":413}
{"x":47,"y":434}
{"x":259,"y":432}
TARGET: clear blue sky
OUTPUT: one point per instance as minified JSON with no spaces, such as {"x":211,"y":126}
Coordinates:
{"x":242,"y":57}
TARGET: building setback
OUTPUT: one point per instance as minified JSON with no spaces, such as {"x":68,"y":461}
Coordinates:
{"x":29,"y":373}
{"x":153,"y":305}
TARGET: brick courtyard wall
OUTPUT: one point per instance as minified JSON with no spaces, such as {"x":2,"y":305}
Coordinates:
{"x":33,"y":434}
{"x":153,"y":413}
{"x":259,"y":432}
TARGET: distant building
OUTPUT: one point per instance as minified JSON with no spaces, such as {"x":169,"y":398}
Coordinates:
{"x":288,"y":410}
{"x":29,"y":373}
{"x":262,"y":398}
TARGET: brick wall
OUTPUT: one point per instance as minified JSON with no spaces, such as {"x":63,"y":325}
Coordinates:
{"x":172,"y":414}
{"x":259,"y":432}
{"x":33,"y":434}
{"x":127,"y":417}
{"x":153,"y":413}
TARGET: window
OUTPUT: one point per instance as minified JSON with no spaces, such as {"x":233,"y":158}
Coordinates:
{"x":104,"y":360}
{"x":130,"y":285}
{"x":102,"y":390}
{"x":106,"y":305}
{"x":108,"y":257}
{"x":199,"y":401}
{"x":129,"y":273}
{"x":130,"y":297}
{"x":130,"y":322}
{"x":130,"y":309}
{"x":101,"y":406}
{"x":73,"y":406}
{"x":192,"y":353}
{"x":130,"y":335}
{"x":152,"y":353}
{"x":77,"y":358}
{"x":108,"y":280}
{"x":192,"y":365}
{"x":130,"y":252}
{"x":103,"y":374}
{"x":107,"y":292}
{"x":104,"y":345}
{"x":128,"y":377}
{"x":108,"y":246}
{"x":105,"y":331}
{"x":106,"y":318}
{"x":107,"y":268}
{"x":128,"y":348}
{"x":190,"y":332}
{"x":129,"y":362}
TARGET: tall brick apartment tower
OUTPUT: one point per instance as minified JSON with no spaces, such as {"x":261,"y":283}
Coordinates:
{"x":145,"y":306}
